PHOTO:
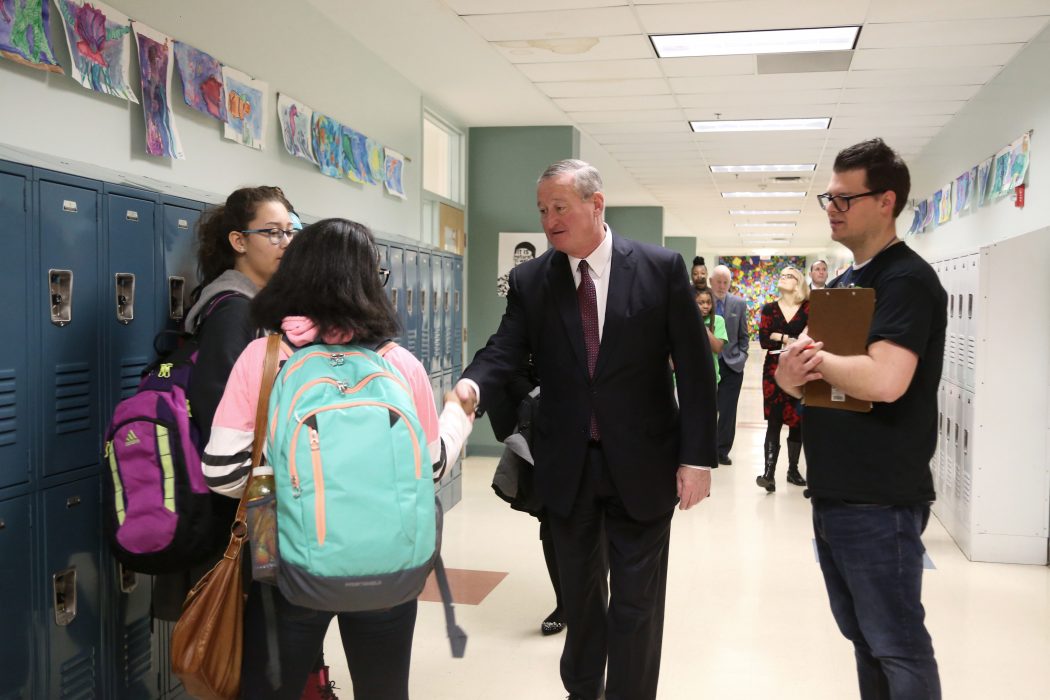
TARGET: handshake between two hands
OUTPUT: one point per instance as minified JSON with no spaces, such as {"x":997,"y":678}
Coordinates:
{"x":463,"y":396}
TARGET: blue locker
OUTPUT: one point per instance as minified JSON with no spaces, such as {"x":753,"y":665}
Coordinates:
{"x":456,"y":336}
{"x":15,"y":289}
{"x":68,"y":219}
{"x":446,"y":300}
{"x":71,"y":525}
{"x":396,"y":284}
{"x":178,"y":235}
{"x":411,"y":318}
{"x":16,"y":642}
{"x":437,"y":322}
{"x":426,"y":310}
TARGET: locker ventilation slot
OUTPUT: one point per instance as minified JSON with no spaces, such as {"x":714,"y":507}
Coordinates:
{"x":78,"y":676}
{"x":130,"y":374}
{"x":8,"y":406}
{"x":137,"y":651}
{"x":72,"y":397}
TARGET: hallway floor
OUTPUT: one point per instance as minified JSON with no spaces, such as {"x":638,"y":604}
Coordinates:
{"x":747,"y":617}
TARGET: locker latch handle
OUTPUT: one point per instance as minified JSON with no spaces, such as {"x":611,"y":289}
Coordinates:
{"x":423,"y":300}
{"x":446,"y":301}
{"x":64,"y":589}
{"x":60,"y":289}
{"x":393,"y":297}
{"x":969,"y":305}
{"x":124,"y":284}
{"x":408,"y":302}
{"x":129,"y":580}
{"x":176,"y":305}
{"x":456,"y":304}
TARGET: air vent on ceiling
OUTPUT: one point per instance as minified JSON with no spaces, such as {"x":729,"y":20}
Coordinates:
{"x":813,"y":62}
{"x":787,"y":178}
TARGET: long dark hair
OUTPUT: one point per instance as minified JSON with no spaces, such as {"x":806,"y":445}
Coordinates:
{"x":330,"y":274}
{"x":215,"y":255}
{"x":709,"y":319}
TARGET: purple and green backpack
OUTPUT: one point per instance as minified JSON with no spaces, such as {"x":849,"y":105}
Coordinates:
{"x":157,"y":507}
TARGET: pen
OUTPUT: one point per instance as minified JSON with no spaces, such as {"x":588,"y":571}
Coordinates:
{"x":777,"y":352}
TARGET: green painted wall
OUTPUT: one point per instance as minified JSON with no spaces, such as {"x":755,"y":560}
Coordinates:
{"x":645,"y":224}
{"x":685,"y":246}
{"x":504,"y":163}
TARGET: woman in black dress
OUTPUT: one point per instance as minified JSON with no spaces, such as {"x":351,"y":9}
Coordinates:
{"x":782,"y":322}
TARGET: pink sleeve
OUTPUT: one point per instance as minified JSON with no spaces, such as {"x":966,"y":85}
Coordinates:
{"x":237,"y":408}
{"x":422,"y":393}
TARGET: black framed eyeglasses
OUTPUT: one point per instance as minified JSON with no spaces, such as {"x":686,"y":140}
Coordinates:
{"x":384,"y":276}
{"x":275,"y":235}
{"x":841,"y":201}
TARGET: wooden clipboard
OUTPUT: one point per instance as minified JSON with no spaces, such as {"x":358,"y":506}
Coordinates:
{"x":841,"y":319}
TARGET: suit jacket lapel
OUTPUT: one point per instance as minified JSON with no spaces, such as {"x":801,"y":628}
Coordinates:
{"x":563,"y":292}
{"x":621,"y":282}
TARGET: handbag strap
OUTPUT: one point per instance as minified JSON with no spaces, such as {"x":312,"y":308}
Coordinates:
{"x":273,"y":345}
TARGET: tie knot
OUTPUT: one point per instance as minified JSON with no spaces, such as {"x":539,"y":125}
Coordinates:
{"x":582,"y":267}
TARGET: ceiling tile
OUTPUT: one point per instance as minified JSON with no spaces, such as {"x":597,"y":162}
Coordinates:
{"x":918,"y":77}
{"x":743,"y":15}
{"x":708,"y":65}
{"x":646,"y":102}
{"x":943,"y":57}
{"x":911,"y":108}
{"x":605,"y":88}
{"x":673,"y":127}
{"x":762,"y":84}
{"x":932,"y":10}
{"x":950,"y":33}
{"x":651,"y":116}
{"x":746,"y":99}
{"x":487,"y":7}
{"x":770,"y":110}
{"x":562,"y":24}
{"x":585,"y":49}
{"x":909,"y":94}
{"x":683,"y":137}
{"x":591,"y":70}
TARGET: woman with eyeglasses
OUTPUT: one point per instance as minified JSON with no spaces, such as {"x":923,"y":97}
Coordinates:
{"x":782,"y":321}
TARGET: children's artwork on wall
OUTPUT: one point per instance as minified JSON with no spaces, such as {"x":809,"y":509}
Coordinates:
{"x":1000,"y":174}
{"x":1019,"y":156}
{"x":937,"y":206}
{"x":328,"y":145}
{"x":355,"y":155}
{"x":984,"y":174}
{"x":916,"y":221}
{"x":201,"y":76}
{"x":99,"y":41}
{"x":931,"y":214}
{"x":296,"y":124}
{"x":971,"y":196}
{"x":245,"y":108}
{"x":393,"y":173}
{"x":155,"y":70}
{"x":961,"y":194}
{"x":515,"y":249}
{"x":375,"y":161}
{"x":944,"y":211}
{"x":25,"y":34}
{"x":755,"y":279}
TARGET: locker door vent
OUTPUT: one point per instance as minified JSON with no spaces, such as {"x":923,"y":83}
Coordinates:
{"x":130,"y":373}
{"x":8,"y":408}
{"x":137,"y":651}
{"x":78,"y":676}
{"x":72,"y":397}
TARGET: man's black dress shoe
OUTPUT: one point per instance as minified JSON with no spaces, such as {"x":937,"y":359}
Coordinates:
{"x":724,"y":460}
{"x":552,"y":625}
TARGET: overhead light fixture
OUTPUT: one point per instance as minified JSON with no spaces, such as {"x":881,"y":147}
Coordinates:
{"x":764,"y":212}
{"x":801,"y":168}
{"x":770,"y":235}
{"x":738,"y":125}
{"x":769,"y":224}
{"x":755,"y":42}
{"x":764,"y":193}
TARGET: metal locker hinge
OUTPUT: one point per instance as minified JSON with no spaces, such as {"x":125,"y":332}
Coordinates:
{"x":124,"y":284}
{"x":60,"y":289}
{"x":176,"y":305}
{"x":64,"y":595}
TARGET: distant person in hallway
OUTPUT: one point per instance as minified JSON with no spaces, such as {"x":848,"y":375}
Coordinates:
{"x":731,"y":361}
{"x":818,"y":275}
{"x":614,"y":453}
{"x":699,"y":273}
{"x":713,"y":323}
{"x":869,"y":473}
{"x":522,"y":252}
{"x":781,"y":322}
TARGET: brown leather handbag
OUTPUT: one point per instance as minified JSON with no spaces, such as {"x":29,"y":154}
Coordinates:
{"x":207,"y":642}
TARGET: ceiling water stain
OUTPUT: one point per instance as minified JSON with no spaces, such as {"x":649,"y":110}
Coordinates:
{"x":560,"y":46}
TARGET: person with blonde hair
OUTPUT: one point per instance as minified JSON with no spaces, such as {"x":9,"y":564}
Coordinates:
{"x":782,"y":322}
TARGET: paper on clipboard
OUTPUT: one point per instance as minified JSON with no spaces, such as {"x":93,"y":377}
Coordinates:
{"x":841,"y":319}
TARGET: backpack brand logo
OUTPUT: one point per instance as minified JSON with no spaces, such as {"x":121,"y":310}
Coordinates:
{"x":131,"y":439}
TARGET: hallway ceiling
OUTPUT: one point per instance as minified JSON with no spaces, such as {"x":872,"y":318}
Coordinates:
{"x":590,"y":63}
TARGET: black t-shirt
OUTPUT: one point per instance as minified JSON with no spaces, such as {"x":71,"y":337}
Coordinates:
{"x":884,"y":456}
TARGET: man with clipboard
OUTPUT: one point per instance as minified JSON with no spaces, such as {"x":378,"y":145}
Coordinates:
{"x":868,"y":470}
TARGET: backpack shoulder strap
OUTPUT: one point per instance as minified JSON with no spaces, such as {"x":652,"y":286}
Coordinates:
{"x":385,"y":346}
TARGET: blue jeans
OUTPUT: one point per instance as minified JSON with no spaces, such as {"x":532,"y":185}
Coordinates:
{"x":871,"y":557}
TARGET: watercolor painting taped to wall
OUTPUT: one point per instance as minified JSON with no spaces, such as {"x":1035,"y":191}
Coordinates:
{"x":25,"y":34}
{"x":155,"y":71}
{"x":393,"y":173}
{"x":245,"y":108}
{"x":296,"y":123}
{"x":99,"y":41}
{"x":355,"y":155}
{"x":328,"y":145}
{"x":201,"y":76}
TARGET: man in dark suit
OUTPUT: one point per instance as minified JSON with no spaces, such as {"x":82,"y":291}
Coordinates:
{"x":601,"y":316}
{"x":731,"y":360}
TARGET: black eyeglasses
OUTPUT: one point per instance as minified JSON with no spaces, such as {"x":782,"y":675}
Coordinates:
{"x":384,"y":276}
{"x":841,"y":201}
{"x":275,"y":235}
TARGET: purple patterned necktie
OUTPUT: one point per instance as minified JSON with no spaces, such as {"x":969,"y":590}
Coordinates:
{"x":588,"y":300}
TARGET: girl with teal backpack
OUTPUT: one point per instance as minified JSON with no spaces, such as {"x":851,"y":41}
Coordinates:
{"x":355,"y":445}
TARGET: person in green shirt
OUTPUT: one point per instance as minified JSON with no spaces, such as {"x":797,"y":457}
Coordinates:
{"x":713,"y":323}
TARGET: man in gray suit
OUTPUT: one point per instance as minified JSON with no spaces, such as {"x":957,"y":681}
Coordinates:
{"x":731,"y":360}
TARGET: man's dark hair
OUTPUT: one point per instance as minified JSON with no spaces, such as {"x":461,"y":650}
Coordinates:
{"x":884,"y":170}
{"x":525,"y":245}
{"x":330,"y":274}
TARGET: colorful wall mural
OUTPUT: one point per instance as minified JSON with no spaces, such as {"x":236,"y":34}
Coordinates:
{"x":755,"y":279}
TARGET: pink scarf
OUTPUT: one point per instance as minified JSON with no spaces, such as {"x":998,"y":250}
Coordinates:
{"x":301,"y":330}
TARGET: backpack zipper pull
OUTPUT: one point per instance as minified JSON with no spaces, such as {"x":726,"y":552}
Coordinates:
{"x":315,"y":440}
{"x":343,"y":387}
{"x":337,"y":359}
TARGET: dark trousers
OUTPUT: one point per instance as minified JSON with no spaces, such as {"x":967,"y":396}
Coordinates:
{"x":728,"y":397}
{"x":378,"y":647}
{"x":620,"y":621}
{"x":871,"y":557}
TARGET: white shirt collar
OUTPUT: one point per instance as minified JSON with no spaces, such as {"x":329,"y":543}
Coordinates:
{"x":599,"y":258}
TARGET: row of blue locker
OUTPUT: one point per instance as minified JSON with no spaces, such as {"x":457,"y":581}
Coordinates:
{"x":90,"y":271}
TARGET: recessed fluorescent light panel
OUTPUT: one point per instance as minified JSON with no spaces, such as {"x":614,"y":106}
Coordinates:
{"x":768,"y":224}
{"x":766,"y":193}
{"x":764,"y":212}
{"x":764,"y":41}
{"x":739,"y":125}
{"x":801,"y":168}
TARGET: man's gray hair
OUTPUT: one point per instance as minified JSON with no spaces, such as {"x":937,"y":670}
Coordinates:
{"x":722,"y":270}
{"x":587,"y":180}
